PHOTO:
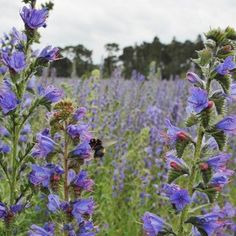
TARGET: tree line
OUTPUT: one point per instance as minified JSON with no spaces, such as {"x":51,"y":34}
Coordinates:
{"x":165,"y":60}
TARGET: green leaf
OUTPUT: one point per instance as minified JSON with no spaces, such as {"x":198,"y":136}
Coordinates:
{"x":212,"y":194}
{"x":216,"y":35}
{"x":230,"y":33}
{"x":180,"y":147}
{"x":225,"y":82}
{"x":220,"y":138}
{"x":173,"y":175}
{"x":220,"y":103}
{"x":208,"y":117}
{"x":192,"y":120}
{"x":206,"y":175}
{"x":204,"y":56}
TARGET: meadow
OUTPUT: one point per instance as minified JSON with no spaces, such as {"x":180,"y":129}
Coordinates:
{"x":141,"y":156}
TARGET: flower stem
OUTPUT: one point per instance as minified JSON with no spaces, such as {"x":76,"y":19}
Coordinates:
{"x":14,"y":156}
{"x":65,"y":156}
{"x":191,"y":181}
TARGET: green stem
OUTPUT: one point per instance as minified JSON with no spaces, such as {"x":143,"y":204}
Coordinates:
{"x":191,"y":181}
{"x":14,"y":156}
{"x":65,"y":156}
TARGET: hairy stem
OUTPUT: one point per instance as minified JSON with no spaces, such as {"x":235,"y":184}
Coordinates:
{"x":65,"y":156}
{"x":191,"y":180}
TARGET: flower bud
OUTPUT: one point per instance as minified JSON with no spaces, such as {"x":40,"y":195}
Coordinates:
{"x":210,"y":104}
{"x":182,"y":136}
{"x":204,"y":166}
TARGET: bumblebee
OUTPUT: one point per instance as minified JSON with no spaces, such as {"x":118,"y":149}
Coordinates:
{"x":97,"y":147}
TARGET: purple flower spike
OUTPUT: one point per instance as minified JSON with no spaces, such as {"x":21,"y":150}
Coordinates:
{"x":49,"y":54}
{"x":15,"y":62}
{"x":228,"y":125}
{"x":225,"y":67}
{"x":198,"y":101}
{"x":34,"y":18}
{"x":152,"y":224}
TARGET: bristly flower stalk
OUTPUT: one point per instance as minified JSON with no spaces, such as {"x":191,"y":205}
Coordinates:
{"x":206,"y":107}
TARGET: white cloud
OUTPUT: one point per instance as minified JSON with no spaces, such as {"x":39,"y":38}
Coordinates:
{"x":95,"y":23}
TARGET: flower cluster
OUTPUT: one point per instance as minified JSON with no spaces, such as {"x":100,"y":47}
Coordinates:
{"x":205,"y":171}
{"x":67,"y":142}
{"x":50,"y":160}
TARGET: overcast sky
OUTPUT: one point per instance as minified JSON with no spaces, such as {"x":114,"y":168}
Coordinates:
{"x":97,"y":22}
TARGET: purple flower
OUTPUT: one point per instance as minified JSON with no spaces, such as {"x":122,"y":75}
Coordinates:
{"x":176,"y":164}
{"x":46,"y":230}
{"x":180,"y":199}
{"x":15,"y":62}
{"x":86,"y":229}
{"x":34,"y":18}
{"x":152,"y":224}
{"x":79,"y":132}
{"x":55,"y":169}
{"x":16,"y":208}
{"x":3,"y":70}
{"x":79,"y":113}
{"x":40,"y":175}
{"x":4,"y":148}
{"x":26,"y":129}
{"x":208,"y":223}
{"x":53,"y":202}
{"x":51,"y":94}
{"x":216,"y":162}
{"x":82,"y":181}
{"x":175,"y":133}
{"x":3,"y":211}
{"x":4,"y":132}
{"x":219,"y":180}
{"x":170,"y":189}
{"x":228,"y":125}
{"x":225,"y":67}
{"x":198,"y":101}
{"x":194,"y":79}
{"x":83,"y":207}
{"x":49,"y":54}
{"x":70,"y":229}
{"x":82,"y":151}
{"x":8,"y":100}
{"x":45,"y":145}
{"x":18,"y":38}
{"x":233,"y":92}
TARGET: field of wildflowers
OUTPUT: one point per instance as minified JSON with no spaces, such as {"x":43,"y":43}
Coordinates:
{"x":111,"y":156}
